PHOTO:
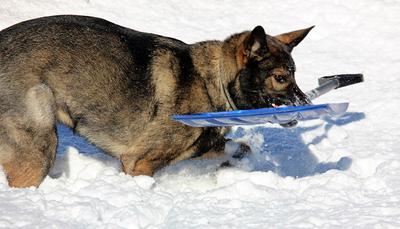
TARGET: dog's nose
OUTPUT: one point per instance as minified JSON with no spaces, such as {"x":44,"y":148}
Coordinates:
{"x":300,"y":97}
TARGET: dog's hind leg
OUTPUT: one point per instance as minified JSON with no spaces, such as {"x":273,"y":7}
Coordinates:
{"x":150,"y":162}
{"x":28,"y":138}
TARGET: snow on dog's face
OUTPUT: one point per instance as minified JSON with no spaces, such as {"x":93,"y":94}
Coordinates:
{"x":267,"y":76}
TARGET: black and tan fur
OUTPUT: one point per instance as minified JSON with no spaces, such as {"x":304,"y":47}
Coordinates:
{"x":118,"y":88}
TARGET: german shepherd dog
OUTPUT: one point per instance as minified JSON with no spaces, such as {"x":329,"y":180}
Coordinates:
{"x":118,"y":88}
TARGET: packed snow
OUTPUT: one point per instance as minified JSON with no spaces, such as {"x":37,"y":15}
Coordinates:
{"x":330,"y":173}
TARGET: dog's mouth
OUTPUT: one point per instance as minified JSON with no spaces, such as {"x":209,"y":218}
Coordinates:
{"x":262,"y":98}
{"x":293,"y":97}
{"x":291,"y":101}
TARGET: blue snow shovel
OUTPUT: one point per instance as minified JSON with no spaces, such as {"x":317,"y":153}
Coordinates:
{"x":285,"y":116}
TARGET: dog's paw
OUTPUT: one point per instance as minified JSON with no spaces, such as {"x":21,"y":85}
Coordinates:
{"x":225,"y":164}
{"x":242,"y":151}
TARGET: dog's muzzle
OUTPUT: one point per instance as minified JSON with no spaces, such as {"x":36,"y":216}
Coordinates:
{"x":298,"y":98}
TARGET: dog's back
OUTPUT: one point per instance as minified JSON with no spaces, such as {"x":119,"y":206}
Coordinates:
{"x":88,"y":73}
{"x":64,"y":49}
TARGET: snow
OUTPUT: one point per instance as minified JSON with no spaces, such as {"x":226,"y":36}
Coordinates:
{"x":331,"y":173}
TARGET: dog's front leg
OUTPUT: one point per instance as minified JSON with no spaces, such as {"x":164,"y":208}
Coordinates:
{"x":239,"y":150}
{"x":211,"y":152}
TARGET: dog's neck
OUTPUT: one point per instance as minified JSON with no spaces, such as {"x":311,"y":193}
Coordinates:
{"x":218,"y":65}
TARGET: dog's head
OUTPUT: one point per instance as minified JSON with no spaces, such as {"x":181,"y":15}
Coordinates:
{"x":266,"y":70}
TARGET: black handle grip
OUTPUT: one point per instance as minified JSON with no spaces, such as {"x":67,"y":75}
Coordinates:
{"x":343,"y":79}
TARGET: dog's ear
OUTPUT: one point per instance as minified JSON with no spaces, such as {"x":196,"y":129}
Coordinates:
{"x":255,"y":46}
{"x":293,"y":38}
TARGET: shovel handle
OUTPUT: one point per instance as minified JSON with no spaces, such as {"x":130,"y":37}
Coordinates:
{"x":328,"y":83}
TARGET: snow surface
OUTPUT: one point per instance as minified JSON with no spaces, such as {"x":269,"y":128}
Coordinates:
{"x":328,"y":173}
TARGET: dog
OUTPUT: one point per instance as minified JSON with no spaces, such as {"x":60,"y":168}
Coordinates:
{"x":118,"y":88}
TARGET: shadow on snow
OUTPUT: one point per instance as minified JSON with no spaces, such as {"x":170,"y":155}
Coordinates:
{"x":285,"y":153}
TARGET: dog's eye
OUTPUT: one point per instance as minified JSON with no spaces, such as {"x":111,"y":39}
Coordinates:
{"x":280,"y":78}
